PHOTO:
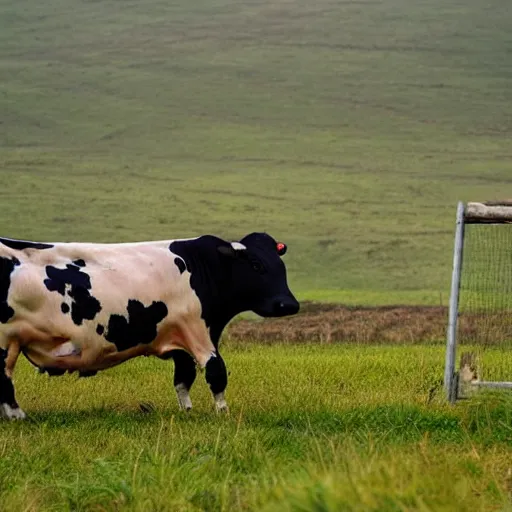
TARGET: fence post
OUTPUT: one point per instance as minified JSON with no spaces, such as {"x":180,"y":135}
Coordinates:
{"x":450,"y":379}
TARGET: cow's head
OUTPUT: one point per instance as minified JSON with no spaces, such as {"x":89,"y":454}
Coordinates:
{"x":259,"y":275}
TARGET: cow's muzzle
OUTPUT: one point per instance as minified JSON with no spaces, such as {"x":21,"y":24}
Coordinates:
{"x":282,"y":306}
{"x":286,"y":307}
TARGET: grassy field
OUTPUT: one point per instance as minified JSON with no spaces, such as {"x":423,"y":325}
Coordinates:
{"x":347,"y":128}
{"x":310,"y":428}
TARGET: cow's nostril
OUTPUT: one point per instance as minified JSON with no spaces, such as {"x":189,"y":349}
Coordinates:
{"x":279,"y":306}
{"x":286,"y":308}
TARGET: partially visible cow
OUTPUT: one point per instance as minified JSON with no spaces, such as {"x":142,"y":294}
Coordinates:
{"x":86,"y":307}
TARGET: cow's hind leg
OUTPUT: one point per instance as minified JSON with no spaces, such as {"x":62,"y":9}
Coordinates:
{"x":217,"y":378}
{"x":9,"y":408}
{"x":184,"y":377}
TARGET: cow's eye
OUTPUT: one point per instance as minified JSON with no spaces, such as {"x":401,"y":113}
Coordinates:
{"x":257,"y":266}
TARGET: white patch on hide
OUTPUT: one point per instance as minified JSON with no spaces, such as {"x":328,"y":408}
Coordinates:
{"x":7,"y":412}
{"x":183,"y":397}
{"x":66,"y":349}
{"x":238,"y":246}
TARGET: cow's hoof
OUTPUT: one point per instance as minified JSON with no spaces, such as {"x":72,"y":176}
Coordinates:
{"x":11,"y":413}
{"x":220,"y":403}
{"x":184,"y":402}
{"x":222,"y":408}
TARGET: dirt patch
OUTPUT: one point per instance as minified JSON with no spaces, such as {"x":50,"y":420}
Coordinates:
{"x":327,"y":323}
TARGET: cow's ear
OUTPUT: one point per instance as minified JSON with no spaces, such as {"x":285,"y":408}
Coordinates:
{"x":233,"y":250}
{"x":281,"y":248}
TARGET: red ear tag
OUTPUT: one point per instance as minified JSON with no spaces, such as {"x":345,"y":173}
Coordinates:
{"x":281,"y":248}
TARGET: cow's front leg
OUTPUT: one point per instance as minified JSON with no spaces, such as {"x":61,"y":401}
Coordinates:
{"x":217,"y":378}
{"x":184,"y":377}
{"x":9,"y":408}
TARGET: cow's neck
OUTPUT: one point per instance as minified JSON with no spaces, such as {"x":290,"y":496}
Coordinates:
{"x":218,"y":304}
{"x":217,"y":322}
{"x":211,"y":282}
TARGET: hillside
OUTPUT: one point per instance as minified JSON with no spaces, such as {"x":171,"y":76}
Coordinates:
{"x":349,"y":129}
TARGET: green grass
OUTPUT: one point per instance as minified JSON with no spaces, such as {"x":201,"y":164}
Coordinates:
{"x":348,"y":129}
{"x":310,"y":428}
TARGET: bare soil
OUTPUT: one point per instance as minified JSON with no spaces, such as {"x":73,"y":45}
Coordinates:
{"x":326,"y":323}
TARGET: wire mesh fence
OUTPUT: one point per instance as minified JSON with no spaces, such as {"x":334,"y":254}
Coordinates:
{"x":485,"y":300}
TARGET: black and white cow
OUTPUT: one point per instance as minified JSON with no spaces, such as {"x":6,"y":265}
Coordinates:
{"x":86,"y":307}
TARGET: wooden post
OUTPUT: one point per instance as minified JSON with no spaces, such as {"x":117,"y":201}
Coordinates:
{"x":490,"y":212}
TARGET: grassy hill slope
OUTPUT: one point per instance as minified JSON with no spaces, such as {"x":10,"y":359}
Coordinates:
{"x":349,"y":129}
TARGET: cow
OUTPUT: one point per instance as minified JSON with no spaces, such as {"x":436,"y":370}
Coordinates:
{"x":86,"y":307}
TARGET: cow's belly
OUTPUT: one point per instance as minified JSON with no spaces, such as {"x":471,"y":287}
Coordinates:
{"x":69,"y":355}
{"x":94,"y":354}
